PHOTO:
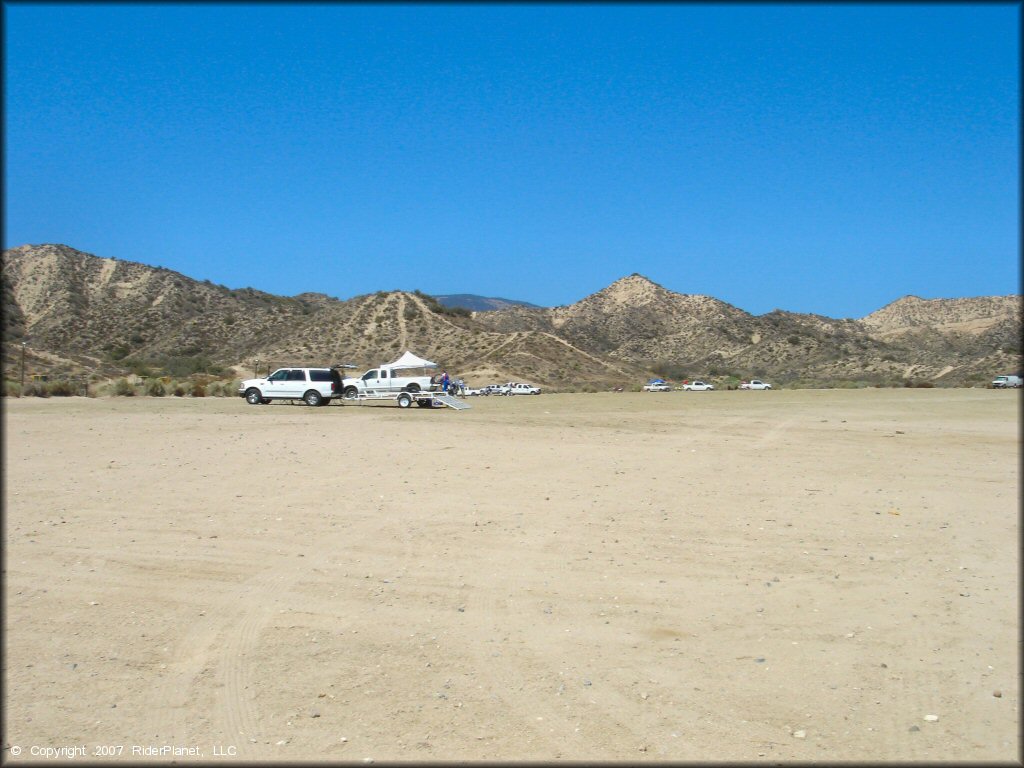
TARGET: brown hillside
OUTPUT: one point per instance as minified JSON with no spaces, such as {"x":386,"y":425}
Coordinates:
{"x":81,"y":313}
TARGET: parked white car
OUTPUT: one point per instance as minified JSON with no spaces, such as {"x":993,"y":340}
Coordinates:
{"x":755,"y":384}
{"x":657,"y":386}
{"x":697,"y":386}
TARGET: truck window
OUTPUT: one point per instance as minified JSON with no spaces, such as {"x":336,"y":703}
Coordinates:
{"x":280,"y":375}
{"x":369,"y":375}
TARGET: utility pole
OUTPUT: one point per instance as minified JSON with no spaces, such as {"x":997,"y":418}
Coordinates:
{"x":256,"y":370}
{"x":23,"y":367}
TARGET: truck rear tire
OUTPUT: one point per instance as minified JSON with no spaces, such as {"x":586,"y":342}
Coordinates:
{"x":313,"y":398}
{"x":350,"y":393}
{"x":411,"y":388}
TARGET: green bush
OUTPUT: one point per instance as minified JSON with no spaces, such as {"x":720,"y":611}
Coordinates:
{"x":179,"y":391}
{"x":123,"y":388}
{"x":198,"y":390}
{"x":222,"y":388}
{"x":62,"y":388}
{"x":36,"y":389}
{"x":12,"y":389}
{"x":155,"y":388}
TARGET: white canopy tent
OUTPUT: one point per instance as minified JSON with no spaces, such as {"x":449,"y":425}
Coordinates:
{"x":409,"y":360}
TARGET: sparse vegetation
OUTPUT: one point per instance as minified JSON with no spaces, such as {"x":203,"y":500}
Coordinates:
{"x":669,"y":370}
{"x":618,"y":339}
{"x":440,"y":309}
{"x":123,"y":388}
{"x":63,"y":388}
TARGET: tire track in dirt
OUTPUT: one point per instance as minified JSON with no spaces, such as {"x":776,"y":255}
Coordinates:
{"x":234,"y":659}
{"x":220,"y":647}
{"x":773,"y":433}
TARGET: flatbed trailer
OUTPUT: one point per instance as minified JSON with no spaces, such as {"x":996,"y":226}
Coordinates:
{"x":423,"y":399}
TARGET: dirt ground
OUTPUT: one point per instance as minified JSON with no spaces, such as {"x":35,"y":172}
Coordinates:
{"x":741,"y":576}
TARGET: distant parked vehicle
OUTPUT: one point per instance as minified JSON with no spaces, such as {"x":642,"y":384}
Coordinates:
{"x":517,"y":388}
{"x":697,"y":386}
{"x":1006,"y":382}
{"x":657,"y":385}
{"x":755,"y":384}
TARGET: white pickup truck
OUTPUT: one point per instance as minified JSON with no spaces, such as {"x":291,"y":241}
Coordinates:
{"x":1006,"y":382}
{"x":755,"y":384}
{"x":385,"y":379}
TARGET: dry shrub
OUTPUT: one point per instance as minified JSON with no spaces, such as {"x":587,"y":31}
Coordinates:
{"x":123,"y":388}
{"x":61,"y":389}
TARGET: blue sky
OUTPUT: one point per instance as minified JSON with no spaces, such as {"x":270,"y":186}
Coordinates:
{"x":813,"y":158}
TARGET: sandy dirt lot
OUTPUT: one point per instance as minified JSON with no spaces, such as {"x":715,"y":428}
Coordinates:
{"x":739,"y":576}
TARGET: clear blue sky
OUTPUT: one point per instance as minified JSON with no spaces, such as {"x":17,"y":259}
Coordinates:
{"x":813,"y":158}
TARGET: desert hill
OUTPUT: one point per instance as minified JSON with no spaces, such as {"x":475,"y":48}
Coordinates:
{"x":476,"y":303}
{"x":80,"y":313}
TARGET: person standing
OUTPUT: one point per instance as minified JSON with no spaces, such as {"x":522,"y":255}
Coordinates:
{"x":444,"y":382}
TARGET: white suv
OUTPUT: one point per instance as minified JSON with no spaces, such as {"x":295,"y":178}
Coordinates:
{"x":314,"y":386}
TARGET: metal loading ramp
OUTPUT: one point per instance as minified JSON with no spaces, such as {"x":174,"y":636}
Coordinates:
{"x":452,"y":402}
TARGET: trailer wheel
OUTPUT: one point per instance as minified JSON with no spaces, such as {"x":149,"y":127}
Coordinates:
{"x":404,"y":400}
{"x":253,"y":396}
{"x":423,"y":403}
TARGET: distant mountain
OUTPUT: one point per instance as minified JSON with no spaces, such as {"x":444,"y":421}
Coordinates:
{"x":476,"y":303}
{"x":79,"y":313}
{"x":955,"y":341}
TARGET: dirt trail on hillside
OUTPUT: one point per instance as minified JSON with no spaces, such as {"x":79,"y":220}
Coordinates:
{"x":739,"y":576}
